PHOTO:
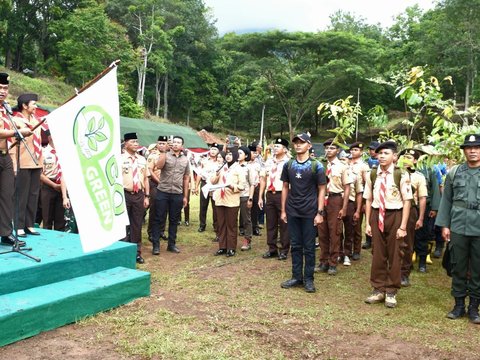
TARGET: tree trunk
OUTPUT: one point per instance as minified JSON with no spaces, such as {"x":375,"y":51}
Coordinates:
{"x":165,"y":97}
{"x":467,"y":91}
{"x":158,"y":97}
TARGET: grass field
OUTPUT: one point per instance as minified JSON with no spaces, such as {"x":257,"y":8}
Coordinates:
{"x":207,"y":307}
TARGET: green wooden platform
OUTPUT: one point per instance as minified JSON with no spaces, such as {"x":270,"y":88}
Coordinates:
{"x":66,"y":285}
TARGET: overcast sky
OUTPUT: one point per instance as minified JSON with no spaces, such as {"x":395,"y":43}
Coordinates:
{"x":302,"y":15}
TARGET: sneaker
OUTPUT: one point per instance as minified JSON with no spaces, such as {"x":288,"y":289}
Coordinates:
{"x":356,"y":256}
{"x":246,"y":245}
{"x":437,"y":253}
{"x":346,"y":261}
{"x":321,"y":268}
{"x":375,"y":297}
{"x":405,"y":281}
{"x":332,"y":270}
{"x":390,"y":301}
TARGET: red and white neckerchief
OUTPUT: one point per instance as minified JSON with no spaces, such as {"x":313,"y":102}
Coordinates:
{"x":135,"y":175}
{"x":57,"y":170}
{"x":273,"y":173}
{"x":6,"y":126}
{"x":381,"y":208}
{"x":37,"y":141}
{"x":328,"y":173}
{"x":225,"y":171}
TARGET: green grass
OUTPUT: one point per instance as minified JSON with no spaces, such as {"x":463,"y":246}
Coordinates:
{"x":207,"y":307}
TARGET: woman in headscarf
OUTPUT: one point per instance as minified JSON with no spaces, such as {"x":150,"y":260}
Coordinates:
{"x":227,"y":202}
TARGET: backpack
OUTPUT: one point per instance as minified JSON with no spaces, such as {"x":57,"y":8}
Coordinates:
{"x":314,"y":164}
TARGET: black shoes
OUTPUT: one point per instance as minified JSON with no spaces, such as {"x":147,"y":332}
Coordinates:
{"x":367,"y":245}
{"x":31,"y":232}
{"x":220,"y":252}
{"x":187,"y":223}
{"x":173,"y":249}
{"x":473,"y":310}
{"x":230,"y":253}
{"x":163,"y":236}
{"x":156,"y":249}
{"x":405,"y":281}
{"x":201,"y":229}
{"x":458,"y":310}
{"x":309,"y":286}
{"x":437,"y":253}
{"x":10,"y":240}
{"x":140,"y":260}
{"x":356,"y":256}
{"x":256,"y":232}
{"x":322,"y":268}
{"x":270,"y":255}
{"x":332,"y":270}
{"x":282,"y":256}
{"x":291,"y":283}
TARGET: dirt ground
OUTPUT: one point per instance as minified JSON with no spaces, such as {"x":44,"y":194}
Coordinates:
{"x":335,"y":339}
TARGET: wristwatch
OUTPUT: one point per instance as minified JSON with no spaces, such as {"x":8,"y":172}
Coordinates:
{"x":321,"y":212}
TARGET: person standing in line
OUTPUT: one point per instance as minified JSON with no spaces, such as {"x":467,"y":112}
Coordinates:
{"x":172,"y":193}
{"x":387,"y":210}
{"x":417,"y":212}
{"x":303,"y":197}
{"x":246,"y":195}
{"x":7,"y":177}
{"x":255,"y":168}
{"x":372,"y":163}
{"x":336,"y":201}
{"x":227,"y":201}
{"x":154,"y":179}
{"x":207,"y":168}
{"x":459,"y":215}
{"x":271,"y":183}
{"x":137,"y":190}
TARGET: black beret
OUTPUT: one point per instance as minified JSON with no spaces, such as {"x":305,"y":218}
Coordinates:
{"x":471,"y":140}
{"x":283,"y":142}
{"x":357,"y":144}
{"x":163,"y":138}
{"x":329,"y":142}
{"x":392,"y":145}
{"x":217,"y":146}
{"x":414,"y":152}
{"x":247,"y":152}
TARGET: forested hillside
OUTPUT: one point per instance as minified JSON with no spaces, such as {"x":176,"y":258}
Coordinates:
{"x":175,"y":65}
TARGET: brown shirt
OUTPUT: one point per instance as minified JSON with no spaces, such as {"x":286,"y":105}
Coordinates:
{"x":338,"y":178}
{"x":151,"y":163}
{"x":26,"y":161}
{"x":394,"y":196}
{"x":50,"y":163}
{"x":273,"y":170}
{"x":128,"y":166}
{"x":419,"y":184}
{"x":171,"y":177}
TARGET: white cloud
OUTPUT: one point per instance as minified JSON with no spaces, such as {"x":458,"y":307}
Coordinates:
{"x":302,"y":15}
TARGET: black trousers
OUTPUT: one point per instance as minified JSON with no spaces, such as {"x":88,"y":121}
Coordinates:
{"x":28,"y":186}
{"x":135,"y":210}
{"x":204,"y":208}
{"x":7,"y":185}
{"x":171,"y":205}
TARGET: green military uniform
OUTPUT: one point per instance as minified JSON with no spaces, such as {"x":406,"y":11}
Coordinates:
{"x":460,"y":212}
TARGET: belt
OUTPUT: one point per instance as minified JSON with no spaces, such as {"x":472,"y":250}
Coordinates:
{"x":273,"y":191}
{"x":467,"y":204}
{"x":3,"y":152}
{"x":133,"y":192}
{"x":334,"y":194}
{"x":388,"y":210}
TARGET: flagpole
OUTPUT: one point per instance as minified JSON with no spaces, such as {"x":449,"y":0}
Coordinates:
{"x":94,"y":80}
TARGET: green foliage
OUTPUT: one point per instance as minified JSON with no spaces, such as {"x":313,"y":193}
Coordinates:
{"x":128,"y":107}
{"x":376,"y":117}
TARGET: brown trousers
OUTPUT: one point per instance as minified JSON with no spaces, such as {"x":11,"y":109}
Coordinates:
{"x":135,"y":212}
{"x":358,"y":233}
{"x":330,"y":232}
{"x":227,"y":227}
{"x":347,"y":247}
{"x":385,"y":273}
{"x":407,"y":245}
{"x":273,"y":210}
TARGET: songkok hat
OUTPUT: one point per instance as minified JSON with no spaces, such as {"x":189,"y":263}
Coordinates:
{"x":130,"y":136}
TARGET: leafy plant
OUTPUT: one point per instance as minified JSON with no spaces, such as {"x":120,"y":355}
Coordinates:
{"x":94,"y":135}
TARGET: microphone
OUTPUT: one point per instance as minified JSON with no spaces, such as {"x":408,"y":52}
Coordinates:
{"x":7,"y":107}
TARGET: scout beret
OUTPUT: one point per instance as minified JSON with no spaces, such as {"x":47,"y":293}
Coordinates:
{"x":357,"y":144}
{"x":162,"y":138}
{"x":414,"y":152}
{"x":283,"y":142}
{"x":329,"y":142}
{"x":4,"y":79}
{"x":247,"y":152}
{"x":217,"y":146}
{"x":392,"y":145}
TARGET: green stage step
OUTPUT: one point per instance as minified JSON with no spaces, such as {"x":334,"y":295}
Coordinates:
{"x":62,"y":258}
{"x":29,"y":312}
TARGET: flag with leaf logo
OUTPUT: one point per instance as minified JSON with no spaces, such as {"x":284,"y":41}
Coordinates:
{"x":86,"y":136}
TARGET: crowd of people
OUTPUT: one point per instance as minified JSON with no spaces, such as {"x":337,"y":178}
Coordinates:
{"x":408,"y":203}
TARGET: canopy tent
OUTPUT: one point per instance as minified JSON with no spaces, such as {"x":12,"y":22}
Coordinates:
{"x":148,"y":131}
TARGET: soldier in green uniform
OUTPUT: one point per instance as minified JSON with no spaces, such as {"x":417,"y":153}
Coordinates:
{"x":459,"y":215}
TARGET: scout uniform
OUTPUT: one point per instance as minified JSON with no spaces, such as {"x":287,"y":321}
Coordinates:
{"x":273,"y":205}
{"x":331,"y":229}
{"x":135,"y":172}
{"x":27,"y":182}
{"x":385,"y":275}
{"x":419,"y":191}
{"x":255,"y":167}
{"x":50,"y":194}
{"x":360,"y":170}
{"x":459,"y":212}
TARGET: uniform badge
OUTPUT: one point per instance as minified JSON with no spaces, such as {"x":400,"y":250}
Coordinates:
{"x":471,"y":138}
{"x":394,"y":192}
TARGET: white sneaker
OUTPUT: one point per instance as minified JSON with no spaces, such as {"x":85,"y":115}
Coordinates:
{"x":390,"y":301}
{"x":375,"y":297}
{"x":346,"y":261}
